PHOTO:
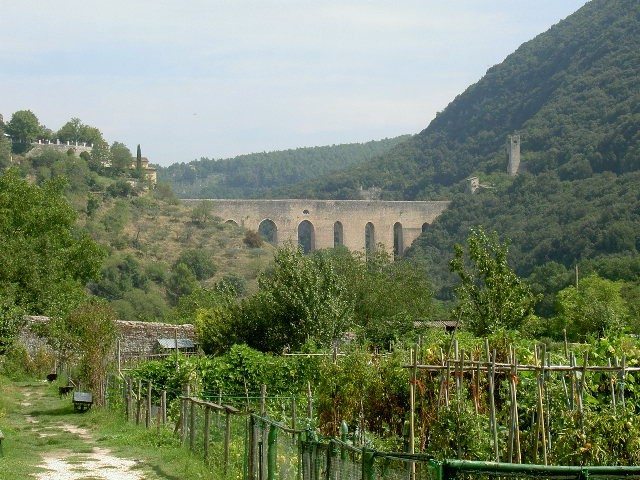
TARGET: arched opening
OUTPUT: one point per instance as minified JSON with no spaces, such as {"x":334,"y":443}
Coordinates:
{"x":425,"y":226}
{"x":231,"y":222}
{"x":338,"y":234}
{"x":369,"y":238}
{"x":306,"y":236}
{"x":269,"y":231}
{"x":398,"y":241}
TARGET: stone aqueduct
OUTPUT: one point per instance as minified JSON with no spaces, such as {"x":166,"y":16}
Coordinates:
{"x":359,"y":225}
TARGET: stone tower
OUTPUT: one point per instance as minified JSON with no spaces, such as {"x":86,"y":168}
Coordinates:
{"x":513,"y":150}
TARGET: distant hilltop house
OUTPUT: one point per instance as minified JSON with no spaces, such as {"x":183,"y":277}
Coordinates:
{"x":77,"y":148}
{"x":150,"y":173}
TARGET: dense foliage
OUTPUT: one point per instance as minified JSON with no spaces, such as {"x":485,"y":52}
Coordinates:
{"x":259,"y":175}
{"x":45,"y":261}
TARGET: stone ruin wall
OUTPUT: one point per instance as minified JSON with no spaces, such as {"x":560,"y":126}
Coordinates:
{"x":136,"y":338}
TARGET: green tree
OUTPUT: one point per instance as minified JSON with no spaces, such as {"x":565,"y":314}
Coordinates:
{"x":44,"y":259}
{"x":181,"y":282}
{"x":24,"y":126}
{"x":202,"y":213}
{"x":594,"y":308}
{"x":199,"y":262}
{"x":300,"y":298}
{"x":388,"y":296}
{"x":88,"y":333}
{"x":121,"y":157}
{"x":139,"y":172}
{"x":76,"y":131}
{"x":490,"y":295}
{"x":5,"y":152}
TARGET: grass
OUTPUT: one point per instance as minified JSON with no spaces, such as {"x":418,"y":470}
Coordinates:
{"x":160,"y":455}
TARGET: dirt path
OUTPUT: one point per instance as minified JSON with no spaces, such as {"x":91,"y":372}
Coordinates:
{"x":83,"y":459}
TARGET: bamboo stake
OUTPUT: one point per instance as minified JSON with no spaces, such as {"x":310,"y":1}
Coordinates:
{"x":613,"y":389}
{"x":548,"y":402}
{"x":492,"y":400}
{"x":476,"y":393}
{"x":624,"y":379}
{"x":515,"y":409}
{"x":412,"y":399}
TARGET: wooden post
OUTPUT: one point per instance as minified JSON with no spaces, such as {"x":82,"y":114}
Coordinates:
{"x":147,"y":418}
{"x":118,"y":353}
{"x":192,"y":425}
{"x":163,"y":401}
{"x":139,"y":403}
{"x":293,"y":413}
{"x":623,"y":375}
{"x":309,"y":402}
{"x":207,"y":427}
{"x":227,"y":440}
{"x":129,"y":399}
{"x":412,"y":417}
{"x":263,"y":399}
{"x":175,"y":344}
{"x":612,"y":386}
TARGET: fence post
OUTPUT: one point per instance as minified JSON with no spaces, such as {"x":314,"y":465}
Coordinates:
{"x":331,"y":449}
{"x":147,"y":417}
{"x":129,"y":399}
{"x":271,"y":452}
{"x":138,"y":402}
{"x":227,"y":439}
{"x":251,"y":449}
{"x":438,"y":470}
{"x":263,"y":399}
{"x":368,"y":459}
{"x":207,"y":425}
{"x":344,"y":436}
{"x":163,"y":403}
{"x":192,"y":426}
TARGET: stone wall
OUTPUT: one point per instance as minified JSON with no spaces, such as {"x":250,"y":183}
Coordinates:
{"x":136,"y":338}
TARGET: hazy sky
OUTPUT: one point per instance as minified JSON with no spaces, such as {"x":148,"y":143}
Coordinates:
{"x":194,"y":78}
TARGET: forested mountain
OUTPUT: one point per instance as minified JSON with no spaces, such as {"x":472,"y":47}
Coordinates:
{"x":255,"y":175}
{"x":573,"y":93}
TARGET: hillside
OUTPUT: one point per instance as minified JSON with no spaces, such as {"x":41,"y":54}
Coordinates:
{"x":573,"y":93}
{"x":157,"y":250}
{"x":256,"y":175}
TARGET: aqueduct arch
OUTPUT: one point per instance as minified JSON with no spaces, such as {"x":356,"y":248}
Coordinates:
{"x":329,"y":223}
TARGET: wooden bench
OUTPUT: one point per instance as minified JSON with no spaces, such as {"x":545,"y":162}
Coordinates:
{"x":82,"y":401}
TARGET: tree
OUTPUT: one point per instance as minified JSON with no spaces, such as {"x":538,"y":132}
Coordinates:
{"x":202,"y":213}
{"x":89,"y":333}
{"x":44,"y":259}
{"x":181,"y":282}
{"x":252,"y":239}
{"x":595,"y":307}
{"x":120,"y":157}
{"x":76,"y":131}
{"x":388,"y":296}
{"x":5,"y":151}
{"x":301,"y":298}
{"x":24,"y":126}
{"x":199,"y":262}
{"x":490,"y":295}
{"x":139,"y":172}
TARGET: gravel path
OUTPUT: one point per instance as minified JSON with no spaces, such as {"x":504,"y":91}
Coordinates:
{"x":97,"y":464}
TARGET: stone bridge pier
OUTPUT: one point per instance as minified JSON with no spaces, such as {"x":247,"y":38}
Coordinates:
{"x":359,"y":225}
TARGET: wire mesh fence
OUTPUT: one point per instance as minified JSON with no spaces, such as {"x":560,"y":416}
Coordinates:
{"x":241,"y":445}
